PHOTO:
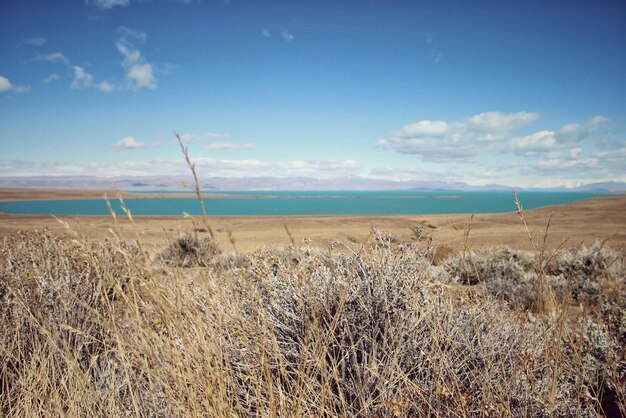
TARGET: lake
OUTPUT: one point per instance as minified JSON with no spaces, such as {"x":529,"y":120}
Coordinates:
{"x":310,"y":203}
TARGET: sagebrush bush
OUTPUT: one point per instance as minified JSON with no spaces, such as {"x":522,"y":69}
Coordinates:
{"x":190,"y":250}
{"x":488,"y":264}
{"x":590,"y":271}
{"x":100,"y":329}
{"x":504,"y":273}
{"x":596,"y":279}
{"x":54,"y":295}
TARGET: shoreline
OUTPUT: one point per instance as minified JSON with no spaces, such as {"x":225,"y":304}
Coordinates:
{"x":288,"y":216}
{"x":581,"y":222}
{"x":25,"y":194}
{"x":8,"y":194}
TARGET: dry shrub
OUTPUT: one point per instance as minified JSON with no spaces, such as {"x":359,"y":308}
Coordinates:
{"x":487,"y":265}
{"x":100,"y":330}
{"x":442,"y":253}
{"x":190,"y":250}
{"x":504,"y":273}
{"x":589,"y":272}
{"x":589,"y":276}
{"x":55,"y":297}
{"x":595,"y":278}
{"x":352,"y":335}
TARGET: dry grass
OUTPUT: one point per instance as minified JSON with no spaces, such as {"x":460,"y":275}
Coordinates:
{"x":105,"y":329}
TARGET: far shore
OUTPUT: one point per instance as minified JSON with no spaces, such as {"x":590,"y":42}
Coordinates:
{"x":571,"y":225}
{"x":21,"y":194}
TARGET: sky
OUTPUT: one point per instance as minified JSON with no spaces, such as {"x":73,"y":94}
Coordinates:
{"x":520,"y":93}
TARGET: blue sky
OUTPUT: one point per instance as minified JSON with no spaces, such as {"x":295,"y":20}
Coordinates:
{"x":528,"y":93}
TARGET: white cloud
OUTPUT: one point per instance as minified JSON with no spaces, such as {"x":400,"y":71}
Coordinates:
{"x":107,"y":4}
{"x":51,"y":78}
{"x":442,"y":141}
{"x":550,"y":172}
{"x":126,"y":32}
{"x":578,"y":132}
{"x":166,"y":68}
{"x":557,"y":143}
{"x":131,"y":56}
{"x":6,"y":85}
{"x":54,"y":58}
{"x":256,"y":168}
{"x":215,"y":135}
{"x":21,"y":89}
{"x":418,"y":173}
{"x":35,"y":41}
{"x":575,"y":152}
{"x":432,"y":128}
{"x":561,"y":165}
{"x":494,"y":132}
{"x":82,"y":79}
{"x":538,"y":142}
{"x":105,"y":87}
{"x":205,"y":166}
{"x":495,"y":124}
{"x":436,"y":56}
{"x":220,"y":146}
{"x":570,"y":129}
{"x":572,"y":167}
{"x":139,"y":72}
{"x":227,"y":145}
{"x":286,"y":35}
{"x":187,"y":137}
{"x":129,"y":142}
{"x":220,"y":141}
{"x":141,"y":76}
{"x":614,"y":159}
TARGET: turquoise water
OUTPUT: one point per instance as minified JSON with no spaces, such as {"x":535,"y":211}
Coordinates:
{"x":310,"y":203}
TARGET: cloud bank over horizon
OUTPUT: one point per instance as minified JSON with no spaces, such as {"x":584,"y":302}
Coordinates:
{"x":545,"y":158}
{"x":568,"y":155}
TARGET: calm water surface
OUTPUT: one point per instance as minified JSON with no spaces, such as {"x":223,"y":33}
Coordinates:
{"x":310,"y":203}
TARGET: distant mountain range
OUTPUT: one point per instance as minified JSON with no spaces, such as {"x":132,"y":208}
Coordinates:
{"x":275,"y":183}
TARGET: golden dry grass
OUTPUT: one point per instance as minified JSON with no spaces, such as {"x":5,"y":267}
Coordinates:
{"x":113,"y":329}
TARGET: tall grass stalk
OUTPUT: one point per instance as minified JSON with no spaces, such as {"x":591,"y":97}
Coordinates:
{"x":196,"y":183}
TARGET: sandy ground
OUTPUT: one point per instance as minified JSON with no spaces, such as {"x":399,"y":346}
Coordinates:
{"x":577,"y":223}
